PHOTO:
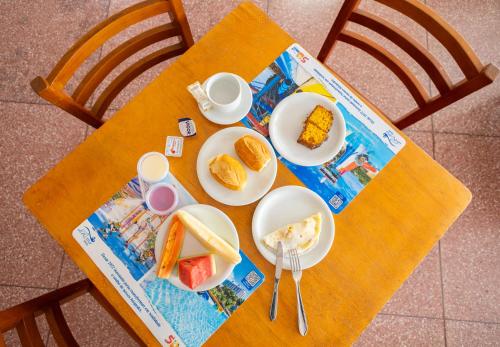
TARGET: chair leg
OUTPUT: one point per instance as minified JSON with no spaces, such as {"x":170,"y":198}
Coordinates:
{"x":59,"y":327}
{"x":28,"y":332}
{"x":111,"y":310}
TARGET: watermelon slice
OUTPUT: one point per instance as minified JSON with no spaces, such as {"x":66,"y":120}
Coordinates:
{"x":193,"y":271}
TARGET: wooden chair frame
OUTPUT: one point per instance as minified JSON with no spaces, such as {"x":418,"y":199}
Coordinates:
{"x":52,"y":87}
{"x":476,"y":75}
{"x":22,"y":317}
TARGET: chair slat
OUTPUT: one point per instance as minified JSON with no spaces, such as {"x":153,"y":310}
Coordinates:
{"x":460,"y":50}
{"x":343,"y":16}
{"x":86,"y":45}
{"x":390,"y":61}
{"x":28,"y":332}
{"x":99,"y":72}
{"x":115,"y":87}
{"x":461,"y":90}
{"x":59,"y":327}
{"x":419,"y":53}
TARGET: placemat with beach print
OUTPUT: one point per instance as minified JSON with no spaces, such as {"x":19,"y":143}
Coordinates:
{"x":370,"y":142}
{"x":120,"y":238}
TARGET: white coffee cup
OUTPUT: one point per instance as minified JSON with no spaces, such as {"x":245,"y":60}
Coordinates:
{"x":223,"y":91}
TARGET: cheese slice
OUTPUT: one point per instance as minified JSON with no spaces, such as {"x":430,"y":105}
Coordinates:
{"x":302,"y":235}
{"x":208,"y":238}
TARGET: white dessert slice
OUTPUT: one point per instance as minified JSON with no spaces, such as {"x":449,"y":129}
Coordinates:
{"x":302,"y":235}
{"x":208,"y":238}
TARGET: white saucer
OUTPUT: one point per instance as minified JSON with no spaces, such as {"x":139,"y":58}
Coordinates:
{"x":291,"y":204}
{"x":287,"y":122}
{"x":235,"y":115}
{"x":220,"y":224}
{"x":258,"y":183}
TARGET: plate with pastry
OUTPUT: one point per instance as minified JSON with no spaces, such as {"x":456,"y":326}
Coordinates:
{"x":307,"y":129}
{"x":196,"y":248}
{"x":305,"y":224}
{"x":236,"y":166}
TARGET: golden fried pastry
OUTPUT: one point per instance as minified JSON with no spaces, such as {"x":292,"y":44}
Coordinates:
{"x":316,"y":127}
{"x":252,"y":152}
{"x":228,"y":171}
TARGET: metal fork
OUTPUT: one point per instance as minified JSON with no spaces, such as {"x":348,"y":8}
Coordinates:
{"x":297,"y":275}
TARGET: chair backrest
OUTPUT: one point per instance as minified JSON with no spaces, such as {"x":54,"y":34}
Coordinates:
{"x":52,"y":88}
{"x":22,"y":317}
{"x":476,"y":75}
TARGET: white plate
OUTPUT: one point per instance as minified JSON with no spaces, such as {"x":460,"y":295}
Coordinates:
{"x":220,"y":224}
{"x":291,"y":204}
{"x":287,"y":122}
{"x":225,"y":118}
{"x":258,"y":183}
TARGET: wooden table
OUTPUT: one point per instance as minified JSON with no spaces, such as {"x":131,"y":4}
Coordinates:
{"x":380,"y":237}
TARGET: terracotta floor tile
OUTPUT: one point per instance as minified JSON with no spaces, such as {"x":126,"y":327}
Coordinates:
{"x":307,"y":21}
{"x":388,"y":330}
{"x":479,"y":23}
{"x":462,"y":334}
{"x":203,"y":15}
{"x":470,"y":249}
{"x":70,"y":273}
{"x":10,"y":296}
{"x":34,"y":139}
{"x":35,"y":35}
{"x":420,"y":295}
{"x":92,"y":326}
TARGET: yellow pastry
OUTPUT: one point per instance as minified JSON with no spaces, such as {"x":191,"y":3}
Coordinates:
{"x":228,"y":171}
{"x":316,"y":127}
{"x":252,"y":152}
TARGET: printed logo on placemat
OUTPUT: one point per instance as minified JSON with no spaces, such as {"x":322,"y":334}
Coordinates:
{"x":391,"y":138}
{"x":86,"y":235}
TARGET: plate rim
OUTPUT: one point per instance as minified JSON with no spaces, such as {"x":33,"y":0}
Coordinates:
{"x":273,"y":158}
{"x":279,"y":148}
{"x":259,"y":245}
{"x":232,"y":227}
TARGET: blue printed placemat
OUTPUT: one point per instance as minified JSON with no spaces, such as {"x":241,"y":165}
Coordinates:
{"x":120,"y":238}
{"x":370,"y":142}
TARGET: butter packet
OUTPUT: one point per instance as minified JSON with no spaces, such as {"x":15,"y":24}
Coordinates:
{"x":187,"y":127}
{"x":173,"y":146}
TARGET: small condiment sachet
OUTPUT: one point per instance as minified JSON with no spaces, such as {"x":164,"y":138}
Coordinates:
{"x":199,"y":94}
{"x":187,"y":127}
{"x":173,"y":146}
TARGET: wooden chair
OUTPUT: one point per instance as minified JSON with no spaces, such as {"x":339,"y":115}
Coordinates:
{"x":52,"y":87}
{"x":476,"y":75}
{"x":22,"y":316}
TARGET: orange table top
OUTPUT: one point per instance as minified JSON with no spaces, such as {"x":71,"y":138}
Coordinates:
{"x":380,"y":237}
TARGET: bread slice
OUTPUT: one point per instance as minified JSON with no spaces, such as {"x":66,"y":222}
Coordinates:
{"x":252,"y":152}
{"x":208,"y":238}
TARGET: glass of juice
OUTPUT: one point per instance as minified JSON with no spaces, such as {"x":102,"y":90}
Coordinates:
{"x":162,"y":198}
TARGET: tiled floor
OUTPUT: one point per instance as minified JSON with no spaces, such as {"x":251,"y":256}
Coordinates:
{"x":452,"y":298}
